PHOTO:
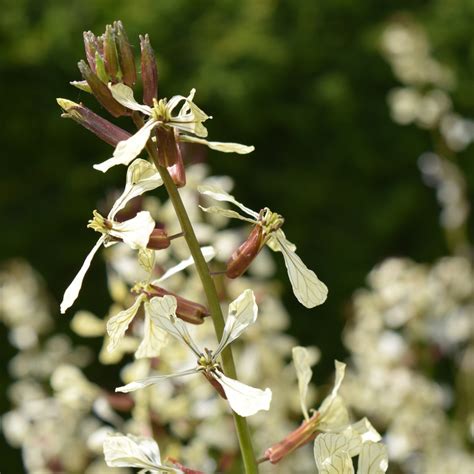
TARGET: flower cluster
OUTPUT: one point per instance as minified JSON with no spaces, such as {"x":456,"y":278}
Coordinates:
{"x":411,"y":321}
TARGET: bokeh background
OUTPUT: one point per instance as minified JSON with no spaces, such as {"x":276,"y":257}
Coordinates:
{"x":303,"y":81}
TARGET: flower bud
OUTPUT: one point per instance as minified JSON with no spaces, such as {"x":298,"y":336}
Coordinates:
{"x":125,"y":55}
{"x":91,"y":45}
{"x":105,"y":130}
{"x":82,"y":86}
{"x":186,"y":310}
{"x":158,"y":240}
{"x":305,"y":433}
{"x":241,"y":259}
{"x":112,"y":66}
{"x":101,"y":91}
{"x":149,"y":71}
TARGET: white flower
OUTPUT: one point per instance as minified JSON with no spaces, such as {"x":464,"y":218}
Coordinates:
{"x":154,"y":337}
{"x":340,"y":441}
{"x":141,"y":177}
{"x":333,"y":453}
{"x":134,"y":451}
{"x":308,"y":289}
{"x":189,"y":119}
{"x":244,"y":400}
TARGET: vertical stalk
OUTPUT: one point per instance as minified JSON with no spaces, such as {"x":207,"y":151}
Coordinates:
{"x":243,"y":432}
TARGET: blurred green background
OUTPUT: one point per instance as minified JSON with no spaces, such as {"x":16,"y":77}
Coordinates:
{"x":303,"y":81}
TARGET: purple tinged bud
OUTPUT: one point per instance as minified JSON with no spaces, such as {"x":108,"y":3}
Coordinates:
{"x":149,"y":71}
{"x":101,"y":91}
{"x":125,"y":55}
{"x":91,"y":47}
{"x":105,"y":130}
{"x":112,"y":66}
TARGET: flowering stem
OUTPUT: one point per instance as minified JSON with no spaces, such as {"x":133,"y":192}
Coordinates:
{"x":228,"y":365}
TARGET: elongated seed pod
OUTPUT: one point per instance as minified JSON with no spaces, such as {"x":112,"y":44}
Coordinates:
{"x":241,"y":259}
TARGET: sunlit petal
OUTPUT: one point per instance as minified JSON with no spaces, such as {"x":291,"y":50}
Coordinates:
{"x":118,"y":324}
{"x":218,"y":194}
{"x":129,"y":149}
{"x":73,"y":289}
{"x":304,"y":373}
{"x":243,"y":399}
{"x":219,"y":146}
{"x":308,"y":289}
{"x":124,"y":95}
{"x":242,"y":313}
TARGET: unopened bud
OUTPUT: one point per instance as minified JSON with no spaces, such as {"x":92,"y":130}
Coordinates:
{"x":112,"y":66}
{"x":91,"y":46}
{"x":177,"y":171}
{"x":186,"y":310}
{"x":125,"y":55}
{"x":82,"y":86}
{"x":120,"y":401}
{"x":168,"y":150}
{"x":241,"y":259}
{"x":305,"y":433}
{"x":101,"y":91}
{"x":105,"y":130}
{"x":158,"y":240}
{"x":149,"y":71}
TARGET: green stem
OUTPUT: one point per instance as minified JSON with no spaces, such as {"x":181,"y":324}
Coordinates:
{"x":228,"y":365}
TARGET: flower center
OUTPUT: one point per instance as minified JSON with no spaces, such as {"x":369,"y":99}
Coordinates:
{"x":206,"y":362}
{"x":160,"y":112}
{"x":99,"y":223}
{"x":270,"y":221}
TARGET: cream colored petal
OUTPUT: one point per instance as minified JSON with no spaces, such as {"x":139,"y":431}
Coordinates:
{"x":243,"y":312}
{"x":163,"y":310}
{"x":73,"y":289}
{"x":243,"y":399}
{"x":331,"y":455}
{"x":226,"y":213}
{"x":304,"y":373}
{"x":308,"y":289}
{"x":118,"y":324}
{"x":129,"y":149}
{"x":146,"y":259}
{"x":373,"y":459}
{"x":142,"y":176}
{"x":132,"y":451}
{"x":333,"y":412}
{"x":154,"y":337}
{"x":134,"y":232}
{"x":219,"y":146}
{"x":218,"y":194}
{"x":208,"y":253}
{"x":124,"y":95}
{"x":139,"y":384}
